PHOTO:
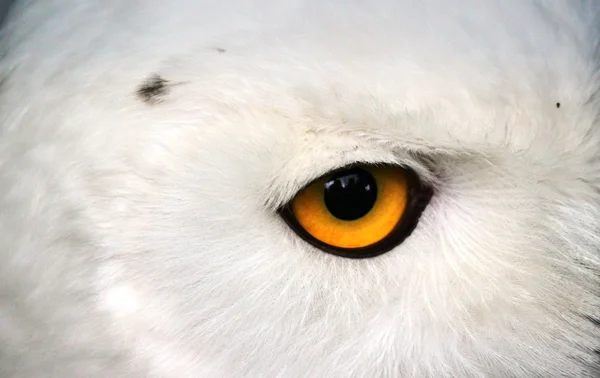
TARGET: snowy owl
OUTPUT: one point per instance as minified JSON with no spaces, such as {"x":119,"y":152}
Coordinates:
{"x":300,"y":188}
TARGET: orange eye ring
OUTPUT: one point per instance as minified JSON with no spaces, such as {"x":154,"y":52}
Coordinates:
{"x":358,"y":211}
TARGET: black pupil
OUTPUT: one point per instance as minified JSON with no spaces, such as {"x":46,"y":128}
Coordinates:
{"x":350,"y":194}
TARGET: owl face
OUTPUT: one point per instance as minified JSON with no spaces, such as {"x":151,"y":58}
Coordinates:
{"x":300,"y":189}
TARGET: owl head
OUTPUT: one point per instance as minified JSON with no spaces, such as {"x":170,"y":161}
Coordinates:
{"x":300,"y":189}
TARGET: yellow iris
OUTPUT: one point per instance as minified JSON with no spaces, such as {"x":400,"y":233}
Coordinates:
{"x":310,"y":209}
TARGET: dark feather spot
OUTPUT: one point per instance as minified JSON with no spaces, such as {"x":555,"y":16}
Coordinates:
{"x":596,"y":322}
{"x":153,"y":90}
{"x":558,"y":105}
{"x":220,"y":50}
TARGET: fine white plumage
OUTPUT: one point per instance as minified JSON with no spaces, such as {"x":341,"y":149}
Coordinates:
{"x":147,"y":146}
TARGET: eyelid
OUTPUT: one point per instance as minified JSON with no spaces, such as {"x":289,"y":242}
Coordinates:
{"x":279,"y":193}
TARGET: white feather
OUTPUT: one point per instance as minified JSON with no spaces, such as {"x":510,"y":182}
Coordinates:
{"x":141,"y":239}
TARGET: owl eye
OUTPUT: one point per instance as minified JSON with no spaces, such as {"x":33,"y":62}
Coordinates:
{"x":359,"y":211}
